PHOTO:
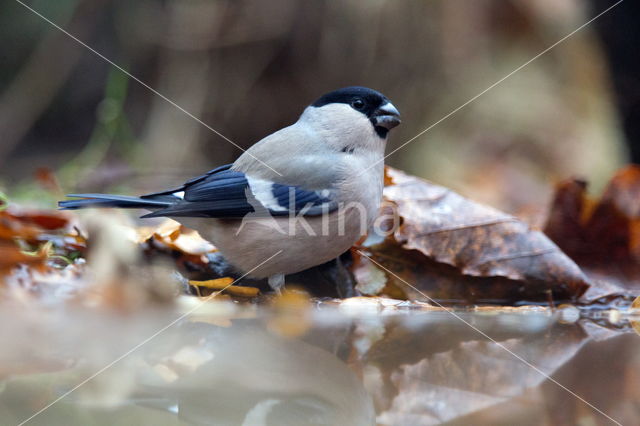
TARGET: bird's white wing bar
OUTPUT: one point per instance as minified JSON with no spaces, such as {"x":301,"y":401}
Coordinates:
{"x":263,"y":191}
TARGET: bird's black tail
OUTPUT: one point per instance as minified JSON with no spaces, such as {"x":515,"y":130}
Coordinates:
{"x":117,"y":201}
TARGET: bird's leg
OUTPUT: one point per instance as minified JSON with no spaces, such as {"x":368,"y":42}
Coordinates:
{"x":277,"y":283}
{"x":345,"y":281}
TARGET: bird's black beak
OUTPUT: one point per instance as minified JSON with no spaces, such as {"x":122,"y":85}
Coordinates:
{"x":386,"y":116}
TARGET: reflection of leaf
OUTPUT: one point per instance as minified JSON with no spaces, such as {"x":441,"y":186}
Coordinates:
{"x":604,"y":236}
{"x":453,"y":248}
{"x":463,"y":375}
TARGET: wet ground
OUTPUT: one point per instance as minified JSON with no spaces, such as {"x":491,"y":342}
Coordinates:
{"x":354,"y":362}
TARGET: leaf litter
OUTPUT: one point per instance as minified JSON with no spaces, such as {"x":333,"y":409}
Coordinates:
{"x":448,"y":248}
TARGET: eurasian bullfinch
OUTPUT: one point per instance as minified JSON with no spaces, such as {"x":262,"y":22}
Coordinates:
{"x":296,"y":199}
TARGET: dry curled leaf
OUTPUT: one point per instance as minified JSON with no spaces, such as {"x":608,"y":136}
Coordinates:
{"x":174,"y":236}
{"x":453,"y":249}
{"x":603,"y":237}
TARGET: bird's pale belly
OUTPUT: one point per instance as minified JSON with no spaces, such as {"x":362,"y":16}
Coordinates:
{"x":262,"y":247}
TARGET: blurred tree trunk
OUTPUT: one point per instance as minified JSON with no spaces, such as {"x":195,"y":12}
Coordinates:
{"x":48,"y":68}
{"x":620,"y":35}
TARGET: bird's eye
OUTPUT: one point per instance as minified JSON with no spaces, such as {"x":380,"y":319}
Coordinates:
{"x":357,"y":103}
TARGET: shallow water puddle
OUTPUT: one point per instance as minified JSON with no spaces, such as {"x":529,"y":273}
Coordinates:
{"x":351,"y":362}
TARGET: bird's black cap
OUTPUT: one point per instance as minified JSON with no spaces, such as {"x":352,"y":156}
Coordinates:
{"x":372,"y":99}
{"x":369,"y":102}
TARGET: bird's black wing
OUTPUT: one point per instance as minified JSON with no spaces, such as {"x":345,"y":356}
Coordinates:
{"x":226,"y":193}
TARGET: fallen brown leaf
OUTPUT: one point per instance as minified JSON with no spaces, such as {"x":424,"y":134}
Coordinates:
{"x":454,"y":249}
